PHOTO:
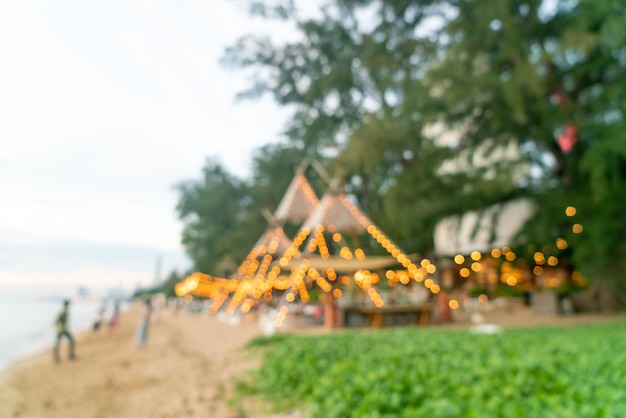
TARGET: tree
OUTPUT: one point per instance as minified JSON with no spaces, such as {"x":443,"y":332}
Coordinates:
{"x":218,"y":217}
{"x":370,"y":77}
{"x":553,"y":81}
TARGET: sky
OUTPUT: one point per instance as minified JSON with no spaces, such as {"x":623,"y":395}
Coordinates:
{"x":104,"y":107}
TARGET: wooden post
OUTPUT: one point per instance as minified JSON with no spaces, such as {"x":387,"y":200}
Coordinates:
{"x":330,"y":311}
{"x":443,"y":309}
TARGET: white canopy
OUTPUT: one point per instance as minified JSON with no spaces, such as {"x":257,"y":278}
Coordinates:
{"x":335,"y":209}
{"x":340,"y":264}
{"x":494,"y":227}
{"x":298,"y":202}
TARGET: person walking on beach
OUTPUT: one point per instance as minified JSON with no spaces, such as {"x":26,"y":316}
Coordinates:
{"x":62,"y":331}
{"x":141,"y":336}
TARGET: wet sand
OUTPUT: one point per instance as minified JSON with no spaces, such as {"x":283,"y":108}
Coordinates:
{"x":188,"y":369}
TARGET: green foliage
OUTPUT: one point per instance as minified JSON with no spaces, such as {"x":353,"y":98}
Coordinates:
{"x":265,"y":341}
{"x":170,"y":284}
{"x":559,"y":372}
{"x":216,"y":221}
{"x":369,"y":79}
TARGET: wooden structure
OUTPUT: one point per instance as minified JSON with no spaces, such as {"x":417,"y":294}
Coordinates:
{"x":420,"y":314}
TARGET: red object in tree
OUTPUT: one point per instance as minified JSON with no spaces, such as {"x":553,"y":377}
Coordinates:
{"x":567,"y":139}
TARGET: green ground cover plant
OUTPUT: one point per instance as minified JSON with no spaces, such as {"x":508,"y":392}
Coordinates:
{"x":416,"y":372}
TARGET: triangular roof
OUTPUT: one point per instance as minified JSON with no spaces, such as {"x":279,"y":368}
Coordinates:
{"x":298,"y":202}
{"x":274,"y":236}
{"x":335,"y":209}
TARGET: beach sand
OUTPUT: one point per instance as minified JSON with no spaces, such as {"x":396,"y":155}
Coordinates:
{"x":188,"y":369}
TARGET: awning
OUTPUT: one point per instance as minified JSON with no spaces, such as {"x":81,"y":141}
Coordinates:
{"x":493,"y":227}
{"x":340,"y":264}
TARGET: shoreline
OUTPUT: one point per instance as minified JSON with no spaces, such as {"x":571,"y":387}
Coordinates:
{"x":189,"y":367}
{"x":38,"y":336}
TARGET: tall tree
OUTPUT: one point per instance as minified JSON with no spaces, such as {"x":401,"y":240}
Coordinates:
{"x":370,"y":77}
{"x":549,"y":77}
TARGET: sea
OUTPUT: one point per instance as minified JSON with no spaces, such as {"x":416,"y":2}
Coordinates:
{"x":27,"y":324}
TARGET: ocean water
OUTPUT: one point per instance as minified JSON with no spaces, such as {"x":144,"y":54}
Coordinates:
{"x":27,"y":325}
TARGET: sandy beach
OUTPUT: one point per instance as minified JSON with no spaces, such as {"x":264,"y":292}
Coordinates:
{"x":188,"y":369}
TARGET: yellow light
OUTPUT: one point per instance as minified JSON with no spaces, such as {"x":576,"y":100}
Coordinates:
{"x":538,"y":270}
{"x":483,"y":298}
{"x":371,"y":229}
{"x":510,"y":256}
{"x":561,"y":244}
{"x":431,"y":268}
{"x":511,"y":280}
{"x":336,"y":237}
{"x":475,"y":255}
{"x":577,"y":228}
{"x":464,"y":272}
{"x":337,"y":293}
{"x":390,"y":274}
{"x":428,"y":283}
{"x":553,"y":261}
{"x":476,"y":266}
{"x":435,"y":289}
{"x":290,"y":297}
{"x":505,"y":250}
{"x":425,"y":262}
{"x":453,"y":304}
{"x":570,"y":211}
{"x":496,"y":253}
{"x":379,"y":303}
{"x":459,"y":259}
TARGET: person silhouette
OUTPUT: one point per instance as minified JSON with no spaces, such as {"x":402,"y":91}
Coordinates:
{"x":141,"y":335}
{"x":61,"y":325}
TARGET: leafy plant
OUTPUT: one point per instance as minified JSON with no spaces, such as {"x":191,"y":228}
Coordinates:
{"x":411,"y":372}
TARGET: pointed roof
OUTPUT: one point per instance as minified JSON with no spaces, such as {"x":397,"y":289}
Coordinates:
{"x":275,"y":237}
{"x":337,"y":210}
{"x":298,"y":202}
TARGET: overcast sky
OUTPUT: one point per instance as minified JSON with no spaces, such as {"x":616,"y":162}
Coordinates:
{"x":104,"y":106}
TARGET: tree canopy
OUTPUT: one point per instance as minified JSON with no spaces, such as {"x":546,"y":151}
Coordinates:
{"x":415,"y":101}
